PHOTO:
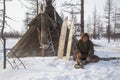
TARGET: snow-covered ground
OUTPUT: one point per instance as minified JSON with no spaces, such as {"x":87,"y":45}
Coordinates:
{"x":50,"y":68}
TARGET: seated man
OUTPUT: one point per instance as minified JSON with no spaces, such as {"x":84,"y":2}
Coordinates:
{"x":84,"y":51}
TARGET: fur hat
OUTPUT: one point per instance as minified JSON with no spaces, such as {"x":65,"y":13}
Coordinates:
{"x":85,"y":35}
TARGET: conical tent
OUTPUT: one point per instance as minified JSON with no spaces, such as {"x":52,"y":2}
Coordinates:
{"x":42,"y":37}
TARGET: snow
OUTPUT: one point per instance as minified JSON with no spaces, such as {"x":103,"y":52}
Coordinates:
{"x":9,"y":44}
{"x":51,"y":68}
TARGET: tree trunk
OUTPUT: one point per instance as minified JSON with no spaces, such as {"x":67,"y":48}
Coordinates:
{"x":82,"y":16}
{"x":3,"y":38}
{"x":108,"y":27}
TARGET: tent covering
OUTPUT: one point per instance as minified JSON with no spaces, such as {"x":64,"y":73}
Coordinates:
{"x":42,"y":37}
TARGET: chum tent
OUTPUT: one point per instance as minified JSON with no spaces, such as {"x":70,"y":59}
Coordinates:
{"x":42,"y":37}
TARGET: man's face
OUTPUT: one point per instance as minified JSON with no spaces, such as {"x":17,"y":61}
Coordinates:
{"x":85,"y":39}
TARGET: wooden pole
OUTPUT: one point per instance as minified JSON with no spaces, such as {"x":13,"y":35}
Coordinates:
{"x":37,"y":6}
{"x":43,"y":52}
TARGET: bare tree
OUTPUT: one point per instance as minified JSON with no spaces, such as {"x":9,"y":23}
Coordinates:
{"x":88,"y":25}
{"x":80,"y":11}
{"x":95,"y":24}
{"x":109,"y":11}
{"x":74,"y":11}
{"x":99,"y":27}
{"x":3,"y":20}
{"x":2,"y":35}
{"x":116,"y":20}
{"x":32,"y":11}
{"x":82,"y":16}
{"x":35,"y":9}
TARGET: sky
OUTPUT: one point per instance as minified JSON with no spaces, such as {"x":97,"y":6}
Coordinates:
{"x":91,"y":4}
{"x":16,"y":11}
